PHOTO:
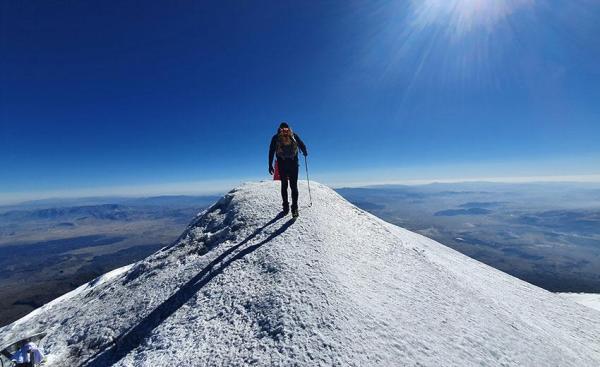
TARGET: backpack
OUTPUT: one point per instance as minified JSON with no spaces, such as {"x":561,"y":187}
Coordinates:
{"x":289,"y":150}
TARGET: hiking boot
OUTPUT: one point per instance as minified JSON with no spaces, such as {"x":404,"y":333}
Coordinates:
{"x":295,"y":213}
{"x":286,"y":209}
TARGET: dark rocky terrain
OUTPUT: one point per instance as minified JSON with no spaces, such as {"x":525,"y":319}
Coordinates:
{"x":46,"y":251}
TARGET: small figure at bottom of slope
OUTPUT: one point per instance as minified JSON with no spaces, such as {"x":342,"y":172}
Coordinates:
{"x":285,"y":145}
{"x":24,"y":353}
{"x":28,"y":356}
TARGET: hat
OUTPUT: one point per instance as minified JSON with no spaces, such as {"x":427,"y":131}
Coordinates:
{"x":284,"y":125}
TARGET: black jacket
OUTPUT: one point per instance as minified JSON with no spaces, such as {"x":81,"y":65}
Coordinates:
{"x":273,"y":147}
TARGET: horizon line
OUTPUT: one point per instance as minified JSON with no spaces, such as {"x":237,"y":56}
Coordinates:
{"x":217,"y":187}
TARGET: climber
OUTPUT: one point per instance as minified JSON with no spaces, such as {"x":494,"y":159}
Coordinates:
{"x":29,"y":355}
{"x":285,"y":146}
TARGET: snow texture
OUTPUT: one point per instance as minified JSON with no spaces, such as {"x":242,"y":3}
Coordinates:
{"x":336,"y":287}
{"x":591,"y":300}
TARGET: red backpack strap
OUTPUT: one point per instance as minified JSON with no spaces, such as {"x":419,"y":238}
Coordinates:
{"x":276,"y":173}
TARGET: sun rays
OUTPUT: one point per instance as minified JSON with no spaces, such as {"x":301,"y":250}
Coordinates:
{"x":462,"y":16}
{"x":459,"y":45}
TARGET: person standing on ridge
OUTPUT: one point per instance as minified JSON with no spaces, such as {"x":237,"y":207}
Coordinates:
{"x":285,"y":146}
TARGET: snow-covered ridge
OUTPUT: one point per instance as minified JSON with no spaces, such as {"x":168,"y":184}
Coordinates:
{"x":591,"y":300}
{"x":338,"y":286}
{"x":77,"y":291}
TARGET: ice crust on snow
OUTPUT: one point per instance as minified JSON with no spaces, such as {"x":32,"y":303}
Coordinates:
{"x":336,"y":287}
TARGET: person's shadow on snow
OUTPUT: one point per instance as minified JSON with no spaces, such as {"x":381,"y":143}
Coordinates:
{"x":132,"y":338}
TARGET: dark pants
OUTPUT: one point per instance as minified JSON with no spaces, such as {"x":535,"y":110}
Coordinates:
{"x":288,"y":172}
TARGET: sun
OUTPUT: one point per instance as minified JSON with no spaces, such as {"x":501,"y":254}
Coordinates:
{"x":464,"y":16}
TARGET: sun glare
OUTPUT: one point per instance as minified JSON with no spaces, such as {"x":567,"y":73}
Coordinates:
{"x":463,"y":16}
{"x":461,"y":45}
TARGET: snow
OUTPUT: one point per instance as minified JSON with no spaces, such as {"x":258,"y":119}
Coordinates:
{"x":591,"y":300}
{"x":336,"y":287}
{"x":85,"y":287}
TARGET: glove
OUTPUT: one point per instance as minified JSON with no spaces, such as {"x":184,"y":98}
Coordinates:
{"x":271,"y":170}
{"x":305,"y":153}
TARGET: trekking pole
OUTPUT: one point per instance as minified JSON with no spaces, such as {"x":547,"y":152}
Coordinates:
{"x":308,"y":180}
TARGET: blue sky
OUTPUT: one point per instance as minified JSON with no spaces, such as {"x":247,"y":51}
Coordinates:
{"x":160,"y":97}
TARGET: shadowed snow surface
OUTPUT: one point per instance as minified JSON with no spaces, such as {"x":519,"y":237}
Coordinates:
{"x":336,"y":287}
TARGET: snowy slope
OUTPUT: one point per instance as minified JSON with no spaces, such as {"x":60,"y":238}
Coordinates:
{"x":591,"y":300}
{"x":336,"y":287}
